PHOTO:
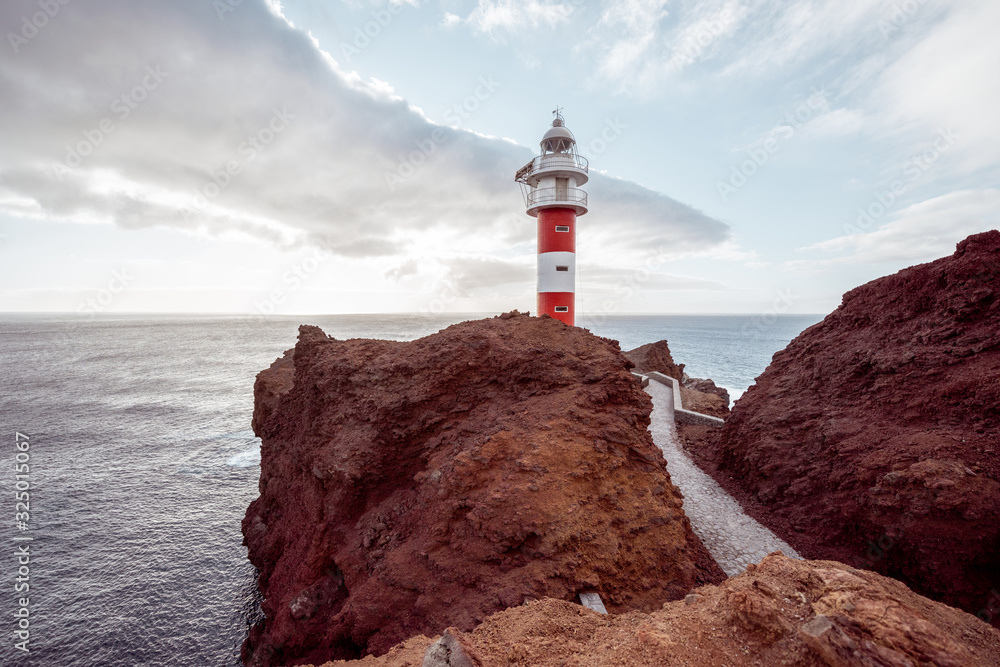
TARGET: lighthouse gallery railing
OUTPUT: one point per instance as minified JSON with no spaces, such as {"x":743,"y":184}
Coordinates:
{"x":552,"y":195}
{"x":559,"y":160}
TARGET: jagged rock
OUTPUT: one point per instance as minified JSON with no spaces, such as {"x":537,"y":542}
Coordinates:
{"x":655,"y":357}
{"x":450,"y":651}
{"x":871,"y":439}
{"x":697,"y":395}
{"x":780,"y":612}
{"x":706,"y":386}
{"x":411,"y":487}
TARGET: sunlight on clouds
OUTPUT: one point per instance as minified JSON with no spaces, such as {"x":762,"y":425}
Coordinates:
{"x":641,"y":45}
{"x":511,"y":15}
{"x":951,"y":78}
{"x":779,"y":35}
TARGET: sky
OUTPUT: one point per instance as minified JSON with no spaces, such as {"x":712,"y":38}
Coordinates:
{"x":329,"y":156}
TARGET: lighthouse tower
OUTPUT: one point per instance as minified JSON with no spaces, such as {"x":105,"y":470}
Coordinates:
{"x":551,"y":185}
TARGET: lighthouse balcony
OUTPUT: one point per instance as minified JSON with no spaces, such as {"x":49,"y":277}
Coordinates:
{"x":561,"y":165}
{"x":539,"y":198}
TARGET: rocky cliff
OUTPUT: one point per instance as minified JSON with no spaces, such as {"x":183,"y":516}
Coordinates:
{"x":872,"y":438}
{"x":656,"y":357}
{"x":409,"y":487}
{"x":780,"y":612}
{"x":697,"y":394}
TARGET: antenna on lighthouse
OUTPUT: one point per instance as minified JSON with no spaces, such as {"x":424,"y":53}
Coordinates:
{"x":550,"y":183}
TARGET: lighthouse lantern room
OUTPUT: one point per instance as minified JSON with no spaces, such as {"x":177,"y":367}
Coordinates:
{"x":551,"y":186}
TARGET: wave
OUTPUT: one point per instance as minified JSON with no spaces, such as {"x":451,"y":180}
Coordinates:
{"x":248,"y":459}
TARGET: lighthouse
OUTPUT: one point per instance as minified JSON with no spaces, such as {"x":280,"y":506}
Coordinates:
{"x":551,"y":186}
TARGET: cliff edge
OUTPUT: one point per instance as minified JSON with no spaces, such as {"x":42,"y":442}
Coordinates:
{"x":408,"y":487}
{"x":872,"y":438}
{"x":780,"y":612}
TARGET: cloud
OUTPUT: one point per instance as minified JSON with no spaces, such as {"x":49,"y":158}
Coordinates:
{"x":170,"y":115}
{"x":510,"y":15}
{"x":949,"y":78}
{"x":605,"y":279}
{"x":408,"y":268}
{"x":639,"y":44}
{"x":466,"y":274}
{"x":920,"y":233}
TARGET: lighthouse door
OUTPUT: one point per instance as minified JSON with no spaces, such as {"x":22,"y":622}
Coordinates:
{"x":562,"y":185}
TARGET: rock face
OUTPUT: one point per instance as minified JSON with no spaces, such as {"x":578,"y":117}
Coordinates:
{"x":707,"y":403}
{"x":411,"y":487}
{"x":872,"y":438}
{"x":780,"y":612}
{"x":697,"y":395}
{"x":655,"y":357}
{"x":707,"y":387}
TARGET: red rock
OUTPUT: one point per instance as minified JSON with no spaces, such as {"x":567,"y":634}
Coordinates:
{"x":656,"y":357}
{"x":780,"y":612}
{"x":707,"y":386}
{"x":871,"y":439}
{"x":697,"y":395}
{"x":411,"y":487}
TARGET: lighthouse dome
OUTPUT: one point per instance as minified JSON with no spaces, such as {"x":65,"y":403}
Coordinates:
{"x":558,"y":139}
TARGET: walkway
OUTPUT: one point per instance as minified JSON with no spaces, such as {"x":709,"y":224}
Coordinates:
{"x":734,"y":539}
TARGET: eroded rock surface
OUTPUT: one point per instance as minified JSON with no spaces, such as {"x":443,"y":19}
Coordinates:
{"x":707,"y":386}
{"x":697,"y":394}
{"x":780,"y":612}
{"x":872,"y":438}
{"x":656,"y":357}
{"x":411,"y":487}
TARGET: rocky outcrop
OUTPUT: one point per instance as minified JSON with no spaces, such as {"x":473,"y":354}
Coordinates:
{"x":780,"y":612}
{"x":706,"y":403}
{"x":706,"y":386}
{"x":655,"y":357}
{"x":872,"y":438}
{"x":409,"y":487}
{"x":697,"y":395}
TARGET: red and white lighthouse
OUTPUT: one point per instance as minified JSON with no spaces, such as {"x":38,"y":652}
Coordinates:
{"x":551,"y":184}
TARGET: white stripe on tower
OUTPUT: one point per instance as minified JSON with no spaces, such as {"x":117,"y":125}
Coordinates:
{"x":557,"y":272}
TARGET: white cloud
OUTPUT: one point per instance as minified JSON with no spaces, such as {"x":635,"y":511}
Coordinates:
{"x":919,"y":233}
{"x":638,"y":44}
{"x":252,"y":128}
{"x":949,"y":78}
{"x":510,"y":15}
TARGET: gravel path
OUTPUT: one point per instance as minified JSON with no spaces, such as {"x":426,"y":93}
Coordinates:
{"x":734,"y":539}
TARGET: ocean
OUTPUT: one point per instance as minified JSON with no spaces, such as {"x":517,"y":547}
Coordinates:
{"x":141,"y":463}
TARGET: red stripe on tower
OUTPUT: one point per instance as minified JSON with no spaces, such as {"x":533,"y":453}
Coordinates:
{"x":552,"y":194}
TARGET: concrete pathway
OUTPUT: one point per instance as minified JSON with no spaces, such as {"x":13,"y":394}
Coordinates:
{"x":734,"y":539}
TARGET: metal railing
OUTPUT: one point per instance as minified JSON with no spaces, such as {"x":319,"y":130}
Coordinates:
{"x":540,"y":196}
{"x":560,"y":161}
